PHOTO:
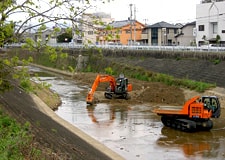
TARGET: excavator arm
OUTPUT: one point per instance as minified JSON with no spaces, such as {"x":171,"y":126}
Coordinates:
{"x":98,"y":79}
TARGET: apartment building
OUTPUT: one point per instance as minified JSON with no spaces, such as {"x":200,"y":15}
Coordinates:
{"x":126,"y":32}
{"x":160,"y":34}
{"x":89,"y":25}
{"x":210,"y":22}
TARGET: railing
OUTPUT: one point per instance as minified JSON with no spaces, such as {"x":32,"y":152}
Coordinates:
{"x":137,"y":47}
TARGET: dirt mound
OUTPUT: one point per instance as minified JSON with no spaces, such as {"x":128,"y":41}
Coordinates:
{"x":159,"y":93}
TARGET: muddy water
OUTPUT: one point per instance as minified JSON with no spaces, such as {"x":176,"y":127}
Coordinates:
{"x":135,"y":132}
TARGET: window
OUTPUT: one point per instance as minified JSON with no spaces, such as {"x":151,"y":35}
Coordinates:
{"x":167,"y":31}
{"x":214,"y":28}
{"x":127,"y":31}
{"x":175,"y":30}
{"x":90,"y":32}
{"x":154,"y":37}
{"x":201,"y":28}
{"x":223,"y":31}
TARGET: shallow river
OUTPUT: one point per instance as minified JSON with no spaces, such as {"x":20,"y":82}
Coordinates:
{"x":134,"y":132}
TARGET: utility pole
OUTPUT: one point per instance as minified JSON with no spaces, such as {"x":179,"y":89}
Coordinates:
{"x":134,"y":24}
{"x":145,"y":21}
{"x":131,"y":18}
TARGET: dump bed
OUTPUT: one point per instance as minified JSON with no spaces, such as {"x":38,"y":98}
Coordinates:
{"x":169,"y":110}
{"x":176,"y":110}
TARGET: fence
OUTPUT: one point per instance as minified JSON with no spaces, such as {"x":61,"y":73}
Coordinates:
{"x":137,"y":47}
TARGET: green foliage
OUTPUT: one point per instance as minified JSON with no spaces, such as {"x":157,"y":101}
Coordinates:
{"x":89,"y":69}
{"x":5,"y":73}
{"x":166,"y":79}
{"x":216,"y":61}
{"x":195,"y":85}
{"x":218,"y":39}
{"x":26,"y":85}
{"x":144,"y":75}
{"x":6,"y":33}
{"x":140,"y":77}
{"x":109,"y":70}
{"x":71,"y":69}
{"x":64,"y":37}
{"x":14,"y":138}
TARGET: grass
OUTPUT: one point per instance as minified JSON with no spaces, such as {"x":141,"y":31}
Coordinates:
{"x":15,"y":141}
{"x":145,"y":75}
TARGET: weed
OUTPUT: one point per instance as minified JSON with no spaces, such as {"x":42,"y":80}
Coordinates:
{"x":15,"y":139}
{"x":216,"y":61}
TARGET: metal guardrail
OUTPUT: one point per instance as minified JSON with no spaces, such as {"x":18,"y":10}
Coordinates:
{"x":138,"y":47}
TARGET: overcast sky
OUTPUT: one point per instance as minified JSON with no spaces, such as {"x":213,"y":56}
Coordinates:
{"x":153,"y":11}
{"x":147,"y":11}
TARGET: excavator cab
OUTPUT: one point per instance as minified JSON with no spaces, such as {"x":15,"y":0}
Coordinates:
{"x":212,"y":103}
{"x":121,"y":85}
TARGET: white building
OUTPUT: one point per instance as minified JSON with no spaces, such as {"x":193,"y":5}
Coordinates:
{"x":210,"y":22}
{"x":90,"y":24}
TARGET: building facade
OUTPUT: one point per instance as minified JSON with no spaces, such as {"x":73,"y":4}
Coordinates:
{"x":186,"y":35}
{"x":210,"y":22}
{"x":160,"y":34}
{"x":126,"y":32}
{"x":89,"y":24}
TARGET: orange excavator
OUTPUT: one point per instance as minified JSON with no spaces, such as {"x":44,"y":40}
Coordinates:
{"x":117,"y":87}
{"x":195,"y":114}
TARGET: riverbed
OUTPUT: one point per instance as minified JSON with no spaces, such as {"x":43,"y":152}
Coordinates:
{"x":133,"y":131}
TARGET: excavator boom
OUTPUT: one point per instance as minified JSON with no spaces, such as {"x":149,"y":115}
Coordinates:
{"x":98,"y":79}
{"x":119,"y":86}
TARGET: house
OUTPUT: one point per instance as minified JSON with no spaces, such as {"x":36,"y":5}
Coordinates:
{"x":160,"y":34}
{"x":210,"y":22}
{"x":126,"y":32}
{"x":45,"y":35}
{"x":186,"y":34}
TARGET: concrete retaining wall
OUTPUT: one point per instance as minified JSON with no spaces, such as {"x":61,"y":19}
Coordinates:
{"x":200,"y":66}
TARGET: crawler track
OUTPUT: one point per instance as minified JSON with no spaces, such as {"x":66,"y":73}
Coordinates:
{"x":187,"y":125}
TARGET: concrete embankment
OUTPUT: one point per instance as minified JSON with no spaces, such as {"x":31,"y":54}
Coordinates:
{"x":195,"y":65}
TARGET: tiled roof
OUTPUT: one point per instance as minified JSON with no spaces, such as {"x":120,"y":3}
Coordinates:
{"x":119,"y":24}
{"x":162,"y":25}
{"x":189,"y":24}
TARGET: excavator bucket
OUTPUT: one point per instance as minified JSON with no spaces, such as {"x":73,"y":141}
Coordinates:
{"x":90,"y":99}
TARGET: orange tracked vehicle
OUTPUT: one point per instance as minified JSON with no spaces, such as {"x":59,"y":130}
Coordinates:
{"x":195,"y":114}
{"x":117,"y":87}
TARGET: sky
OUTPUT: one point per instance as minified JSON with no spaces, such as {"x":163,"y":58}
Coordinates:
{"x":152,"y":11}
{"x":147,"y":11}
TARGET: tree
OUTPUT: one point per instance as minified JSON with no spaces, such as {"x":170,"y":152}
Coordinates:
{"x":34,"y":13}
{"x":66,"y":36}
{"x":218,"y":39}
{"x":22,"y":16}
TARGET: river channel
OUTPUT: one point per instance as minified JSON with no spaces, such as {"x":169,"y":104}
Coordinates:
{"x":134,"y":132}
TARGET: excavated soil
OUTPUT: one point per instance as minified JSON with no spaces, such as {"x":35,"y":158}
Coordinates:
{"x":143,"y":92}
